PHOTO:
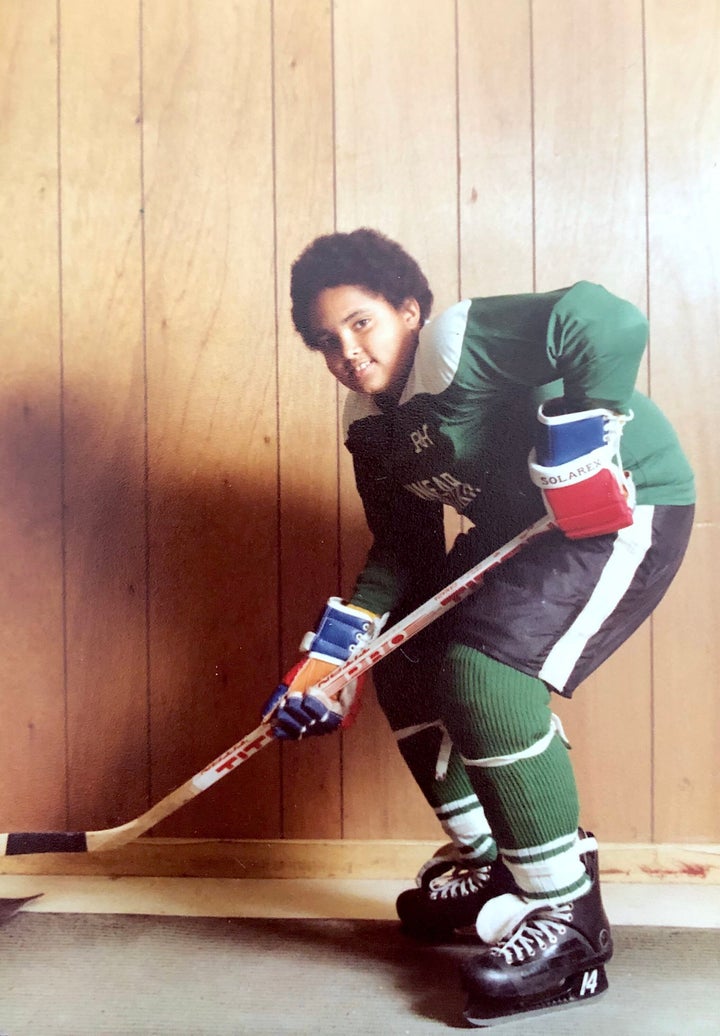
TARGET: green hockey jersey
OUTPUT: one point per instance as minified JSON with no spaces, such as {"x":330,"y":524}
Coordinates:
{"x":462,"y":430}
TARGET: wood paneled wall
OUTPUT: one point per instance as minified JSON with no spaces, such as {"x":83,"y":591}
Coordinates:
{"x":177,"y":503}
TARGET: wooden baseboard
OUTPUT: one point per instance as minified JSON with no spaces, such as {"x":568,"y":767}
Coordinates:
{"x":204,"y":858}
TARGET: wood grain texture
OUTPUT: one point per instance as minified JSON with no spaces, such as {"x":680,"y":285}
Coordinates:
{"x":307,"y":394}
{"x":212,"y":416}
{"x":683,"y":103}
{"x":496,"y":147}
{"x":608,"y":725}
{"x":104,"y":418}
{"x":396,"y":129}
{"x":683,"y":51}
{"x":686,"y":729}
{"x":31,"y":577}
{"x":638,"y":862}
{"x":589,"y":145}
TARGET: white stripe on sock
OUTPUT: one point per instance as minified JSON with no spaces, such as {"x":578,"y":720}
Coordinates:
{"x":547,"y":847}
{"x":451,"y":807}
{"x":467,"y":827}
{"x":548,"y":876}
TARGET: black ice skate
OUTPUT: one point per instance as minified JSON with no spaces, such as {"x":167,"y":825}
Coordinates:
{"x":450,"y":895}
{"x":555,"y":958}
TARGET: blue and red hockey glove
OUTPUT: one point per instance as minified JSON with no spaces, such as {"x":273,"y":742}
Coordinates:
{"x":296,"y":708}
{"x":576,"y":464}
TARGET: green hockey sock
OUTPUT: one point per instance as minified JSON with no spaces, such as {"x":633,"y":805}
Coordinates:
{"x":450,"y":794}
{"x":500,"y":721}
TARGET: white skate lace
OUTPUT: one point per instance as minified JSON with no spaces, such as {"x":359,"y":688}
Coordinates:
{"x":536,"y":933}
{"x":460,"y":882}
{"x":613,"y":427}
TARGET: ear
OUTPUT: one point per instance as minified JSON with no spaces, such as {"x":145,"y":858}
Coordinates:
{"x":410,"y":311}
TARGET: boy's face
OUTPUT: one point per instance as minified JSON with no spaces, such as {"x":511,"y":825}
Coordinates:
{"x":368,"y":345}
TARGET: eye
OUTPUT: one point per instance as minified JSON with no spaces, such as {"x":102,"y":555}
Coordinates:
{"x":361,"y":323}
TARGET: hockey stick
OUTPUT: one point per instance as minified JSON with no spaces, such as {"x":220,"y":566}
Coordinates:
{"x":26,"y":842}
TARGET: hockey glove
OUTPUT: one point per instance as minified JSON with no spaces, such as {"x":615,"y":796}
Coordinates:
{"x":576,"y":464}
{"x":296,"y":708}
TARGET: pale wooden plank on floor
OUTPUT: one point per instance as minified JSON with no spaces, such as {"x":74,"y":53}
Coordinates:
{"x":696,"y":906}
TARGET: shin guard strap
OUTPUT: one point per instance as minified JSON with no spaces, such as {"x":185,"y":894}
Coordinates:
{"x":537,"y":748}
{"x":446,"y":745}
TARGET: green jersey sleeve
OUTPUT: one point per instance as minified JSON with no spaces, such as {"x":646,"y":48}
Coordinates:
{"x":584,"y":336}
{"x":596,"y":341}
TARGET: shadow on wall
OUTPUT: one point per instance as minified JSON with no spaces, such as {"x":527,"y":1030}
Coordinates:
{"x":169,"y":580}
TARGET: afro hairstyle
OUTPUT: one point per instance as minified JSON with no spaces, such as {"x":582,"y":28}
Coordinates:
{"x":363,"y":258}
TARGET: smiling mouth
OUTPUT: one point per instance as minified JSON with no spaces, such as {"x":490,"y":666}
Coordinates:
{"x":358,"y":372}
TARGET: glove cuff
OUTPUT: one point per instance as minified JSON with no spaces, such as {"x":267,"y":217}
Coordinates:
{"x":342,"y":631}
{"x":571,"y":472}
{"x":576,"y":464}
{"x":564,"y":436}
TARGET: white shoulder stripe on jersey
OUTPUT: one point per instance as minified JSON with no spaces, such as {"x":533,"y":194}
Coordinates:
{"x":630,"y":547}
{"x":438,"y":353}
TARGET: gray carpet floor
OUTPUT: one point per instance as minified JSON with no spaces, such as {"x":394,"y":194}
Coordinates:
{"x":117,"y":975}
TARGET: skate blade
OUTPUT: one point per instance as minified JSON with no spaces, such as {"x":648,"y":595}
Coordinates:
{"x":586,"y":985}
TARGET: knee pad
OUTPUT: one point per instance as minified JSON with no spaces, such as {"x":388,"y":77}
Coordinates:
{"x":491,"y":710}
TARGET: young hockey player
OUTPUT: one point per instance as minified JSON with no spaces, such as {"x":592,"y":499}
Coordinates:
{"x":501,"y":408}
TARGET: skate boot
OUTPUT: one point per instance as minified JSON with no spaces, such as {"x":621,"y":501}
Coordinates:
{"x":553,"y":958}
{"x":450,"y":894}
